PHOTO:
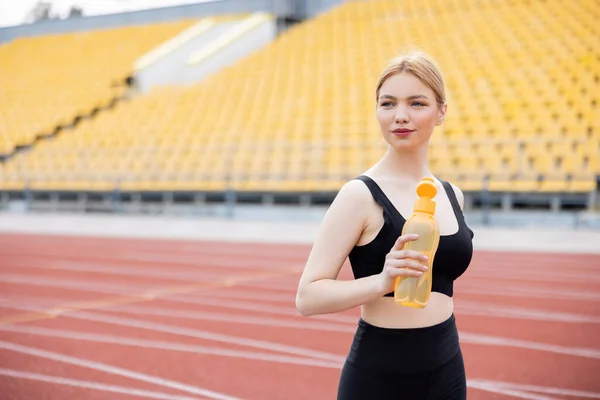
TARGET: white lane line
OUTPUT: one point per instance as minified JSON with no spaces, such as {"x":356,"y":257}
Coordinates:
{"x":541,"y":389}
{"x":268,"y":309}
{"x":239,"y":293}
{"x":534,"y":276}
{"x":110,"y":269}
{"x":145,"y":291}
{"x":75,"y":284}
{"x":285,"y":285}
{"x":492,"y":310}
{"x":231,"y":318}
{"x":489,"y":275}
{"x":515,"y":315}
{"x":512,"y":291}
{"x":481,"y":339}
{"x":60,"y":303}
{"x":57,"y":380}
{"x":200,"y":334}
{"x":486,"y":289}
{"x":190,"y":254}
{"x":532,"y":262}
{"x":467,"y":284}
{"x":165,"y":345}
{"x":475,"y":384}
{"x":263,"y":264}
{"x":114,"y":370}
{"x":462,"y":307}
{"x":124,"y":290}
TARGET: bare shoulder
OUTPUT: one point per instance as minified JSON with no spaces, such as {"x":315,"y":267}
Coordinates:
{"x":354,"y":192}
{"x":459,"y":195}
{"x":341,"y":228}
{"x":350,"y":205}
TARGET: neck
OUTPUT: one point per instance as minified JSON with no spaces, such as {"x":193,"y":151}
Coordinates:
{"x":410,"y":164}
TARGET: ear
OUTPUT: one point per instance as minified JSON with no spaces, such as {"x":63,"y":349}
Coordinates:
{"x":441,"y":115}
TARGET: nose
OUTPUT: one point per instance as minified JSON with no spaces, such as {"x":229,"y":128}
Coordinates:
{"x":401,"y":116}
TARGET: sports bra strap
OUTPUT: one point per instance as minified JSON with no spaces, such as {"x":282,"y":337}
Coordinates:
{"x":378,"y":195}
{"x":453,"y":200}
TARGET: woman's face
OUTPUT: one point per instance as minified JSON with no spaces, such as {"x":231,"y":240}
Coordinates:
{"x":407,"y":111}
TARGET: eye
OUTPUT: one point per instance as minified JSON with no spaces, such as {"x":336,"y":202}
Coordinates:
{"x":418,"y":104}
{"x":386,"y":104}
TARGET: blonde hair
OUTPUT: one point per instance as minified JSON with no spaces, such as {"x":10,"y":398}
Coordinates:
{"x":421,"y":66}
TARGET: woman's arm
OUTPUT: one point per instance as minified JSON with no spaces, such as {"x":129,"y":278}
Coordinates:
{"x":318,"y":290}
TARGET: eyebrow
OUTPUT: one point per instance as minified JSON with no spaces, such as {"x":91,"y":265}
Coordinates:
{"x":414,"y":96}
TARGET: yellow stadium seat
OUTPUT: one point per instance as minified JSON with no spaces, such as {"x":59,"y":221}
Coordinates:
{"x":582,"y":185}
{"x":500,"y":183}
{"x":554,"y":183}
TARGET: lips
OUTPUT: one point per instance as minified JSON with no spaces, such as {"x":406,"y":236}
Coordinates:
{"x":402,"y":132}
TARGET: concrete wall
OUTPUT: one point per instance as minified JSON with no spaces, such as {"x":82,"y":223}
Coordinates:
{"x":171,"y":69}
{"x":314,"y":7}
{"x":175,"y":67}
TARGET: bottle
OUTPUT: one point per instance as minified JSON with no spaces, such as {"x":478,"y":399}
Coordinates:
{"x":415,"y":291}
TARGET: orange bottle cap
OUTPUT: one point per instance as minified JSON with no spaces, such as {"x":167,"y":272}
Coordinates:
{"x":426,"y":190}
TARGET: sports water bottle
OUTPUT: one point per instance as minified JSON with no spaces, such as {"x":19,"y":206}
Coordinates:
{"x":415,"y":291}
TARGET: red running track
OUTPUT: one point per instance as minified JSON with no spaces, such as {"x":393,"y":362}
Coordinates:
{"x":97,"y":318}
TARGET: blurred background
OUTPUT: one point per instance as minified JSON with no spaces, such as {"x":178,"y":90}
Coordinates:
{"x":266,"y":107}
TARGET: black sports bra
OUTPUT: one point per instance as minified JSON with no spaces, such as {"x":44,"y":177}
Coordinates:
{"x":451,"y":260}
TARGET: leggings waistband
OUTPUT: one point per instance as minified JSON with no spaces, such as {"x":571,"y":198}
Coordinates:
{"x":406,"y":350}
{"x":406,"y":332}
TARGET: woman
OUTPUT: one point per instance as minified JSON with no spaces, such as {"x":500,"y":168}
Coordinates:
{"x":398,"y":352}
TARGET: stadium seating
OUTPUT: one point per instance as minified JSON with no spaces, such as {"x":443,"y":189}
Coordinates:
{"x":49,"y":80}
{"x":523,"y":90}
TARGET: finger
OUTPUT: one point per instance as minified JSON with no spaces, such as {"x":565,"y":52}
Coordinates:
{"x":399,"y":244}
{"x":405,"y":272}
{"x":409,"y":264}
{"x":412,"y":254}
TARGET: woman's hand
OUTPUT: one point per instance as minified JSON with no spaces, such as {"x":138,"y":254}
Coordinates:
{"x":401,"y":262}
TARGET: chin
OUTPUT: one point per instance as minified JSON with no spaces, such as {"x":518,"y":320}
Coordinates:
{"x":409,"y":143}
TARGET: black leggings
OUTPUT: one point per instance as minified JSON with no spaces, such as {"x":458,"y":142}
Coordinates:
{"x":404,"y":364}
